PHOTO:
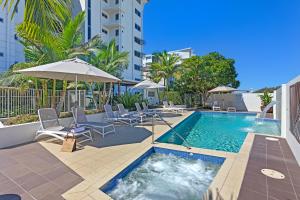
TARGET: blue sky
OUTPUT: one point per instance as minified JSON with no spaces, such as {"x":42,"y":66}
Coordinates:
{"x":263,"y":36}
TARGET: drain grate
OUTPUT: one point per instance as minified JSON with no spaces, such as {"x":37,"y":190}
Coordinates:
{"x":272,"y":173}
{"x":272,"y":139}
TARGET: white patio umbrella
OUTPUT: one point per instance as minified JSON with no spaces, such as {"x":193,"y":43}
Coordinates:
{"x":222,"y":89}
{"x":71,"y":70}
{"x":147,"y":84}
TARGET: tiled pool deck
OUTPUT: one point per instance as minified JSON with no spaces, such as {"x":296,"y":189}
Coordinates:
{"x":80,"y":174}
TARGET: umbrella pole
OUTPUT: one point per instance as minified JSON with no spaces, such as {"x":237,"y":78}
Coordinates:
{"x":76,"y":92}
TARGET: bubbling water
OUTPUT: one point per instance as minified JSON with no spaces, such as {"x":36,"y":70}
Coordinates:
{"x":166,"y":177}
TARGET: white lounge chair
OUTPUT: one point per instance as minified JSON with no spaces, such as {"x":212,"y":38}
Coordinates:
{"x":231,"y":109}
{"x":50,"y":126}
{"x":141,"y":112}
{"x":125,"y":113}
{"x":167,"y":107}
{"x":215,"y":106}
{"x":111,"y":116}
{"x":172,"y":105}
{"x":103,"y":128}
{"x":147,"y":110}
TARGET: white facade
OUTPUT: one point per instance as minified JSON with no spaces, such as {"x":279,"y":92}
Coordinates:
{"x":11,"y":51}
{"x":148,"y":59}
{"x":121,"y":20}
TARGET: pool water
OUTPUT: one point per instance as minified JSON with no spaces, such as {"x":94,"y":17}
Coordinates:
{"x":166,"y":176}
{"x":219,"y":131}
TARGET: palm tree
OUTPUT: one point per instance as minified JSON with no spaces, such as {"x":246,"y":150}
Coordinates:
{"x":49,"y":14}
{"x":51,"y":47}
{"x":112,"y":61}
{"x":164,"y":67}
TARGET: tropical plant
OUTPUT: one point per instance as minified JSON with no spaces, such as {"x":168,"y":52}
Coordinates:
{"x":265,"y":98}
{"x":112,"y":61}
{"x":47,"y":14}
{"x":129,"y":100}
{"x":164,"y":67}
{"x":55,"y":46}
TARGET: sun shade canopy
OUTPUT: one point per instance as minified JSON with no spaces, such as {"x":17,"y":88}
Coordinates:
{"x":71,"y":70}
{"x":147,"y":84}
{"x":221,"y":89}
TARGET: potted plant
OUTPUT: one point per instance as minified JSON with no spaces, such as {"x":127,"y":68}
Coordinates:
{"x":265,"y":98}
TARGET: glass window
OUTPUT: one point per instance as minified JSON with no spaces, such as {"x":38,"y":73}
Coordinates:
{"x":104,"y":15}
{"x":138,"y":54}
{"x":137,"y":12}
{"x":1,"y":19}
{"x":137,"y":27}
{"x":117,"y":1}
{"x":104,"y":31}
{"x":117,"y":16}
{"x":1,"y":54}
{"x":117,"y":32}
{"x":139,"y":1}
{"x":137,"y":67}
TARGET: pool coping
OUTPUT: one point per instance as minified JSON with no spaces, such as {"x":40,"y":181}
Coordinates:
{"x":227,"y":181}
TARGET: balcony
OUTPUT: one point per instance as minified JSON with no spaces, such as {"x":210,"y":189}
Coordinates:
{"x":112,"y":8}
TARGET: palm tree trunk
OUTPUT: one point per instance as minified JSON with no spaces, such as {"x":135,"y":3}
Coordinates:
{"x":109,"y":93}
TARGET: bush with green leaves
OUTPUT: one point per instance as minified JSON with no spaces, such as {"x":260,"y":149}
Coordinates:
{"x":128,"y":100}
{"x":265,"y":98}
{"x":171,"y":96}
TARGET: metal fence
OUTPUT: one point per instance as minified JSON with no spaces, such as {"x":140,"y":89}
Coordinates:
{"x":15,"y":101}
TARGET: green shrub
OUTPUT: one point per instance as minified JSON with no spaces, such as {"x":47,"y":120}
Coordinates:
{"x":128,"y":100}
{"x":21,"y":119}
{"x":171,"y":96}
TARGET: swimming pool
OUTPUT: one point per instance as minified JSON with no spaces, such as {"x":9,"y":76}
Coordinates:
{"x":219,"y":131}
{"x":165,"y":174}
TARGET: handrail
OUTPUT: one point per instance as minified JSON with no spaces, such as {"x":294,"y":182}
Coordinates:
{"x":185,"y":143}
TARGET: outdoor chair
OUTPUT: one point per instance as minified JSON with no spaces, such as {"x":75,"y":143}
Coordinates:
{"x":125,"y":113}
{"x":102,"y":128}
{"x":141,"y":112}
{"x":181,"y":107}
{"x":50,"y":126}
{"x":215,"y":106}
{"x":111,"y":116}
{"x":167,"y":107}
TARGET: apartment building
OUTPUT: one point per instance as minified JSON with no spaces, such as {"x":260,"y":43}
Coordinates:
{"x":11,"y":51}
{"x":148,"y":59}
{"x":121,"y":20}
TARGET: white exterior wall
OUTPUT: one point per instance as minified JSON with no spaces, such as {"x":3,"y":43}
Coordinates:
{"x":182,"y":53}
{"x":11,"y":49}
{"x":242,"y":101}
{"x":285,"y":119}
{"x":125,"y":24}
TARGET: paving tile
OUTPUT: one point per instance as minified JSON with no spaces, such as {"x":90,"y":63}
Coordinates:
{"x":43,"y":190}
{"x":246,"y":194}
{"x":67,"y":181}
{"x":31,"y":181}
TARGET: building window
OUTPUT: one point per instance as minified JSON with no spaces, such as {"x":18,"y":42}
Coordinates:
{"x":104,"y":31}
{"x":117,"y":47}
{"x":138,"y":40}
{"x":137,"y":67}
{"x":117,"y":16}
{"x":16,"y":37}
{"x":137,"y":79}
{"x":117,"y":32}
{"x":1,"y":54}
{"x":117,"y":1}
{"x":137,"y":27}
{"x":138,"y":54}
{"x":1,"y":19}
{"x":89,"y":20}
{"x":104,"y":15}
{"x":105,"y":1}
{"x":137,"y":12}
{"x":139,"y":1}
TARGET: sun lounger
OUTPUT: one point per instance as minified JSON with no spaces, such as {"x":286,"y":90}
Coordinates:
{"x":216,"y":108}
{"x":172,"y":105}
{"x":147,"y":110}
{"x":111,"y":116}
{"x":125,"y":113}
{"x":103,"y":128}
{"x":50,"y":126}
{"x":167,"y":107}
{"x":141,"y":112}
{"x":231,"y":109}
